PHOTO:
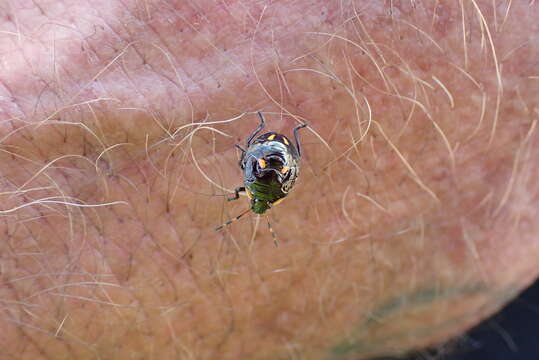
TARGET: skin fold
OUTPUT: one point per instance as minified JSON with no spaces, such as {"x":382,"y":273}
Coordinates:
{"x":413,"y":218}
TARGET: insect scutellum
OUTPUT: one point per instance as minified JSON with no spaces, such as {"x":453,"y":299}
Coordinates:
{"x":270,"y":165}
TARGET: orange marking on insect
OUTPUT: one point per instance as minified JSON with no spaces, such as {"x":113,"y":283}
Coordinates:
{"x":271,"y":137}
{"x":285,"y":169}
{"x":278,"y":201}
{"x":262,"y":163}
{"x":285,"y":141}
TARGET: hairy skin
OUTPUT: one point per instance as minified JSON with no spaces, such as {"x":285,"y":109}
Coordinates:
{"x":414,"y":217}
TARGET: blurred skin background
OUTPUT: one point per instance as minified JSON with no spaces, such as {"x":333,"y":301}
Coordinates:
{"x":414,"y":217}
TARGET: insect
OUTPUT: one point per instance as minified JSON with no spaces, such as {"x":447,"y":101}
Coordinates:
{"x":270,"y":165}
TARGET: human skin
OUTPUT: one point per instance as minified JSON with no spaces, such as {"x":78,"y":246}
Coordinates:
{"x":414,"y":216}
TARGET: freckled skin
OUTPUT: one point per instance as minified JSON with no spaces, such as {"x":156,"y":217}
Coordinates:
{"x":268,"y":185}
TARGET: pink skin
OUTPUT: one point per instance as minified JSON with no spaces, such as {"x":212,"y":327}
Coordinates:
{"x":414,"y":216}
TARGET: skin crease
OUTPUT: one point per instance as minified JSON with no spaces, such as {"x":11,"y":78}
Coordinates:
{"x":414,"y":216}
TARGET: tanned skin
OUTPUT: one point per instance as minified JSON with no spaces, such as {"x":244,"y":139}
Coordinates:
{"x":415,"y":215}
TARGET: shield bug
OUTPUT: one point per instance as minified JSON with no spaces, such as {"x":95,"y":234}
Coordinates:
{"x":270,"y":165}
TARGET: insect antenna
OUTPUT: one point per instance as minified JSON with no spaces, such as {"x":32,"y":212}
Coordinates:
{"x":231,"y":221}
{"x":272,"y":233}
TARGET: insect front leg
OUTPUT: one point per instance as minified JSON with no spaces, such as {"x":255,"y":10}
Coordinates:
{"x":257,"y":130}
{"x":241,"y":149}
{"x":237,"y":193}
{"x":296,"y":136}
{"x":240,"y":163}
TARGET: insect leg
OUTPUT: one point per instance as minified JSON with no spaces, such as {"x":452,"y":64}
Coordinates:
{"x":272,"y":233}
{"x":240,"y":163}
{"x":257,"y":130}
{"x":231,"y":221}
{"x":296,"y":136}
{"x":241,"y":149}
{"x":237,"y":193}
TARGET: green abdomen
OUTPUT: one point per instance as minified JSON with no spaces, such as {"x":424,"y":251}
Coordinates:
{"x":270,"y":192}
